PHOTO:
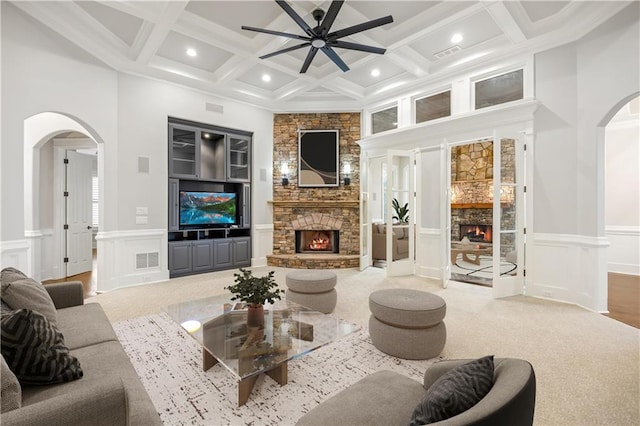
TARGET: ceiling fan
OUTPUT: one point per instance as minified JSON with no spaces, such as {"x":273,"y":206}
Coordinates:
{"x":319,"y":37}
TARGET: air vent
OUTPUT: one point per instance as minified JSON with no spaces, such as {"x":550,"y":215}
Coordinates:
{"x":153,"y":259}
{"x":141,"y":260}
{"x":447,"y":52}
{"x":213,"y":107}
{"x":147,"y":260}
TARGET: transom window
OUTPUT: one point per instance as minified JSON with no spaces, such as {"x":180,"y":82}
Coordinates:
{"x":384,"y":120}
{"x":499,"y":89}
{"x":432,"y":107}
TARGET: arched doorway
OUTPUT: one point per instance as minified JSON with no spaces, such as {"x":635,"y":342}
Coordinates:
{"x":622,"y":212}
{"x":48,"y":138}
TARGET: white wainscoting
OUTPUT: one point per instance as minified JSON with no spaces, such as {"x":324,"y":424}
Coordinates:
{"x":44,"y":264}
{"x":262,"y":240}
{"x":624,"y":253}
{"x":17,"y":254}
{"x":429,"y":253}
{"x":569,"y":268}
{"x":119,"y":261}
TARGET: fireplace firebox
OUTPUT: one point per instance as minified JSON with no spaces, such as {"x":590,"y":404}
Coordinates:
{"x":313,"y":241}
{"x":477,"y":233}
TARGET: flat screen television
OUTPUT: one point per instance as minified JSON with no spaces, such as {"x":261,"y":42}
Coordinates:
{"x":207,"y":209}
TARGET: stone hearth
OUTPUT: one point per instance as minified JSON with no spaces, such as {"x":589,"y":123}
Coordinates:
{"x":342,"y":216}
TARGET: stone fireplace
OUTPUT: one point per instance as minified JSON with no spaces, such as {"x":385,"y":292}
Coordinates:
{"x":317,"y":241}
{"x":315,"y":227}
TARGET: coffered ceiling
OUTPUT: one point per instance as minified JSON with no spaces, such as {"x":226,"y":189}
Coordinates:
{"x":151,"y":38}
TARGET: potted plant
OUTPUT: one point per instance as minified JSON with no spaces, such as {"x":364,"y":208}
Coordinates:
{"x":255,"y":292}
{"x":402,"y":213}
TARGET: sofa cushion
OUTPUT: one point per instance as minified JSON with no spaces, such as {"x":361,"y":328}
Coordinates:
{"x":21,"y":292}
{"x":382,"y":398}
{"x":100,"y":362}
{"x":34,"y":349}
{"x":72,"y":322}
{"x":10,"y":389}
{"x":455,"y":392}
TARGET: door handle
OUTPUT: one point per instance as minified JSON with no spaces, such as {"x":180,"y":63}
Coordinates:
{"x":89,"y":227}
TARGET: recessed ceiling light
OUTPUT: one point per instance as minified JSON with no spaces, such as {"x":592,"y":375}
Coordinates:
{"x":375,"y":72}
{"x":266,"y":78}
{"x":456,"y":38}
{"x":192,"y":52}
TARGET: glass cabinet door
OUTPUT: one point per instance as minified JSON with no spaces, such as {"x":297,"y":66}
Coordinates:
{"x":184,"y":151}
{"x":238,"y":158}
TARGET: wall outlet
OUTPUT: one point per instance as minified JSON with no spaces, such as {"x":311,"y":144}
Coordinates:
{"x":141,"y":220}
{"x":141,"y":211}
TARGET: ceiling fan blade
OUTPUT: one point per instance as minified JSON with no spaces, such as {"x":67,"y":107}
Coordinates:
{"x":330,"y":17}
{"x":335,"y":58}
{"x":292,"y":13}
{"x":277,"y":33}
{"x":308,"y":59}
{"x":355,"y":46}
{"x":288,"y":49}
{"x":360,"y":27}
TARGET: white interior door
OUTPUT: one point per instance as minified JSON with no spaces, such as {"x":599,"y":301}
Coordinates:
{"x":400,"y":231}
{"x":78,"y":213}
{"x":508,"y":216}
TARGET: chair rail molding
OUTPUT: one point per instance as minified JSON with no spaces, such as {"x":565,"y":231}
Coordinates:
{"x":121,"y":255}
{"x":568,"y":268}
{"x":624,"y":251}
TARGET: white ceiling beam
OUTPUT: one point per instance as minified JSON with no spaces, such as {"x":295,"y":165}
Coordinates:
{"x":407,"y":58}
{"x":63,"y":19}
{"x":169,"y":16}
{"x":505,"y":21}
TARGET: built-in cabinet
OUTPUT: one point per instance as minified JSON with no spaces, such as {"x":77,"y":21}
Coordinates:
{"x":206,"y":158}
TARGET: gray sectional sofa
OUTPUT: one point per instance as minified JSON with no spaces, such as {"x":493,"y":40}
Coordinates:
{"x":109,"y":393}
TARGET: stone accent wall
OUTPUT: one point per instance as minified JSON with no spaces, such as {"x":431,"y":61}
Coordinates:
{"x":293,"y":204}
{"x":472,"y":162}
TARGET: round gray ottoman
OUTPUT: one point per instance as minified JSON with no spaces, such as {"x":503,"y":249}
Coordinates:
{"x":407,"y":323}
{"x":313,"y":288}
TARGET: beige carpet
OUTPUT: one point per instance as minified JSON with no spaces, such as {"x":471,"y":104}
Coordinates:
{"x":587,"y":365}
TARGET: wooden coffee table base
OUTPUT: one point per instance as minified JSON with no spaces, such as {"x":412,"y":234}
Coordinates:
{"x":465,"y":255}
{"x":245,"y":386}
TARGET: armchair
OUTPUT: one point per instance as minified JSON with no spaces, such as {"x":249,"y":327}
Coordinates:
{"x":389,"y":398}
{"x":400,"y":243}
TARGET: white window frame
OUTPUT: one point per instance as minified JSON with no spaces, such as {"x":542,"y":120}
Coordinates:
{"x":527,"y":86}
{"x":370,"y":112}
{"x":416,"y":98}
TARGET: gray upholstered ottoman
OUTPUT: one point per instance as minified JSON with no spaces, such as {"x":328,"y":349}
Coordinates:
{"x":313,"y":288}
{"x":407,"y":323}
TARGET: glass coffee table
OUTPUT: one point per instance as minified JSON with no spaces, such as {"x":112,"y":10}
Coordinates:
{"x":290,"y":331}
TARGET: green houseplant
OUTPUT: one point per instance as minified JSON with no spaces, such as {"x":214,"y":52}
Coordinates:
{"x":255,"y":292}
{"x":402,"y":213}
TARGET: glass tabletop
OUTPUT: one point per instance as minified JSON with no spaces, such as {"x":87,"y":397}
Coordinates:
{"x":290,"y":331}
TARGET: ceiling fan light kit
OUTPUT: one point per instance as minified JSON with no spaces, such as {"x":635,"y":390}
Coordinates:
{"x":319,"y":37}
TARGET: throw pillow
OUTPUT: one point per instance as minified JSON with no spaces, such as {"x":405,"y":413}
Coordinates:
{"x":455,"y":391}
{"x":21,"y":292}
{"x":35,"y":351}
{"x":11,"y":392}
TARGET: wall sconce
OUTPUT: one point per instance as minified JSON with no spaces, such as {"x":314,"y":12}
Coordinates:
{"x":284,"y":169}
{"x":347,"y":172}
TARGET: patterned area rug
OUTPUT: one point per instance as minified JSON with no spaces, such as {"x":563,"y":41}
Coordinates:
{"x":169,"y":363}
